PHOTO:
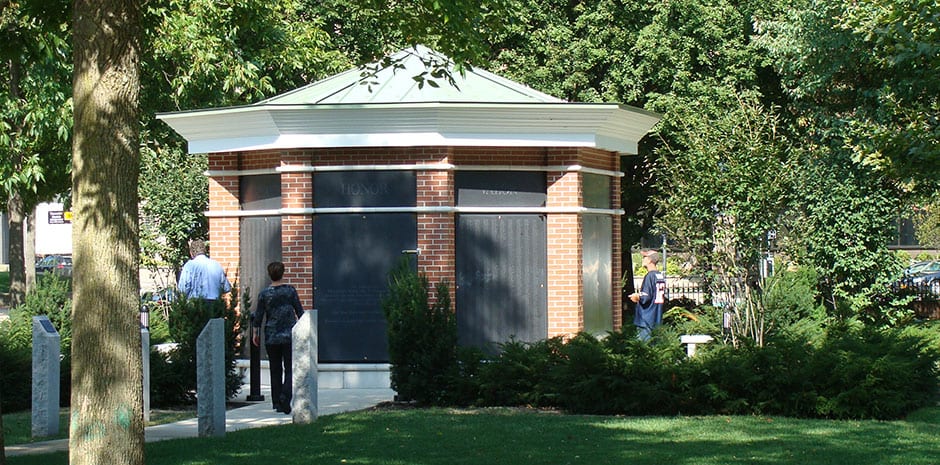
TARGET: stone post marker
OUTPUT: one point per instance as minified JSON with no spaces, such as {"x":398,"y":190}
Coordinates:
{"x":46,"y":358}
{"x":304,"y":379}
{"x":145,"y":363}
{"x":210,"y":379}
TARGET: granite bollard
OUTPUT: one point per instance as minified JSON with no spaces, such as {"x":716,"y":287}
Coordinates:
{"x":47,"y":351}
{"x":210,"y":379}
{"x":305,"y":376}
{"x":145,"y":363}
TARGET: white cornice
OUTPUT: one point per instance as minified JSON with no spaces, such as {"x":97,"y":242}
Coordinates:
{"x":266,"y":126}
{"x":411,"y":167}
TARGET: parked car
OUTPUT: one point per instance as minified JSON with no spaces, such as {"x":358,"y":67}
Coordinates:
{"x":921,"y":267}
{"x":922,"y":278}
{"x":61,"y":265}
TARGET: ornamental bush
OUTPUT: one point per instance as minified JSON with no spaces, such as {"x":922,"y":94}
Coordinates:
{"x":851,"y":371}
{"x":50,"y":297}
{"x":173,"y":374}
{"x":422,"y":339}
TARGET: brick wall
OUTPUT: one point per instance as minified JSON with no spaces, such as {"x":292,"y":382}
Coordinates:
{"x":224,"y":232}
{"x":435,"y":230}
{"x":297,"y":233}
{"x":565,"y":260}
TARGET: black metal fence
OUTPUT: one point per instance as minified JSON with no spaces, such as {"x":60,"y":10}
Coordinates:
{"x":686,"y":289}
{"x":925,"y":299}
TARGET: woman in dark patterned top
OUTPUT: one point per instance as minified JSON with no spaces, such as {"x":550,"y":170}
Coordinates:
{"x":278,"y":308}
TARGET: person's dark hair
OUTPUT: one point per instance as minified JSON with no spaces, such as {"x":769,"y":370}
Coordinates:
{"x":197,"y":247}
{"x":276,"y":271}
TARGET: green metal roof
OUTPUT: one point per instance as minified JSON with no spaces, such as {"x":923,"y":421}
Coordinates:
{"x":394,"y":81}
{"x":382,"y":105}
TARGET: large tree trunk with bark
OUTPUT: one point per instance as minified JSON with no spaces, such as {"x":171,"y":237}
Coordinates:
{"x":107,"y":394}
{"x":18,"y":286}
{"x":22,"y":249}
{"x":3,"y":454}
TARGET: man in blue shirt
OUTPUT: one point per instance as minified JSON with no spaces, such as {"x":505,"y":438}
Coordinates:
{"x":650,"y":299}
{"x":202,"y":277}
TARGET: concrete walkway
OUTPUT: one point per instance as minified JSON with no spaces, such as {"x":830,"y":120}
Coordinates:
{"x":254,"y":415}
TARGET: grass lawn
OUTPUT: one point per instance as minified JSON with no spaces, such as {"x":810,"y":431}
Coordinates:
{"x":504,"y":436}
{"x":17,"y":427}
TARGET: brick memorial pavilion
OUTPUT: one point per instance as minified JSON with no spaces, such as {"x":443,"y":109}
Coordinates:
{"x":509,"y":195}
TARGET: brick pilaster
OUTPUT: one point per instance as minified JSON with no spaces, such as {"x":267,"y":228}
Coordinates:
{"x":224,"y":232}
{"x":297,"y":234}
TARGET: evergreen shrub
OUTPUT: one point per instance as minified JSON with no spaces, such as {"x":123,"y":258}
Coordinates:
{"x":50,"y":297}
{"x":422,"y":339}
{"x":173,"y":374}
{"x":15,"y":377}
{"x":851,"y":372}
{"x":518,"y":376}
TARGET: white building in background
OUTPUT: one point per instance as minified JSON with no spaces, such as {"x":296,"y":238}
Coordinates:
{"x":53,"y":229}
{"x":53,"y":232}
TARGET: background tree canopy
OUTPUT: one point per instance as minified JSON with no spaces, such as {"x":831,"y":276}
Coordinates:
{"x":814,"y":118}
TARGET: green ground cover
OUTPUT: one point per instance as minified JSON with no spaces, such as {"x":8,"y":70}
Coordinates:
{"x":17,"y":427}
{"x":488,"y":436}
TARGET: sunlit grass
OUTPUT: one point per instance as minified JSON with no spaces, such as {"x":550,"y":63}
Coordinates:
{"x":497,"y":436}
{"x":17,"y":427}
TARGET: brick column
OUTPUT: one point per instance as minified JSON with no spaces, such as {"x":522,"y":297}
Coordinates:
{"x":565,"y":256}
{"x":297,"y":234}
{"x":224,"y":232}
{"x":616,"y":264}
{"x":436,"y":231}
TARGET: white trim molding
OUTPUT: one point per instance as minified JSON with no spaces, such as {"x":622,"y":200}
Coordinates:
{"x":412,"y":167}
{"x":418,"y":210}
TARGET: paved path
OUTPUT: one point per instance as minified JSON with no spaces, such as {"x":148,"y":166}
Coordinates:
{"x":254,"y":415}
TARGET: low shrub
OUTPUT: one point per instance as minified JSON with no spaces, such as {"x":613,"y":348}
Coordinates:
{"x":422,"y":338}
{"x":50,"y":297}
{"x":851,"y":372}
{"x":618,"y":375}
{"x":868,"y":373}
{"x":187,"y":319}
{"x":169,"y":385}
{"x":15,"y":377}
{"x":518,"y":376}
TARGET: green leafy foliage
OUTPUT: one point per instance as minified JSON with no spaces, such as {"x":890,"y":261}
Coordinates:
{"x":847,"y":219}
{"x":173,"y":374}
{"x":791,"y":302}
{"x":175,"y":196}
{"x":50,"y":298}
{"x":866,"y":73}
{"x":422,"y":337}
{"x":16,"y":376}
{"x":36,"y":110}
{"x":517,"y":376}
{"x":848,"y":372}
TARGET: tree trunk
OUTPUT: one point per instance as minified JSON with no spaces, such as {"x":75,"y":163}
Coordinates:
{"x":22,"y":249}
{"x":3,"y":450}
{"x":29,"y":248}
{"x":107,"y":388}
{"x":18,"y":283}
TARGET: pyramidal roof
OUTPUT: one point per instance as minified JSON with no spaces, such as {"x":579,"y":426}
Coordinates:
{"x":406,"y":77}
{"x":403,"y":102}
